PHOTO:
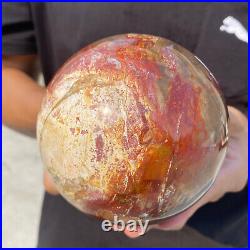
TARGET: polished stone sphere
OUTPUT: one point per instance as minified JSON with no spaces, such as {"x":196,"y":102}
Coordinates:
{"x":133,"y":125}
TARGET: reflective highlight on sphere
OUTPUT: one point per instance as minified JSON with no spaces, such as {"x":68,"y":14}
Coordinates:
{"x":133,"y":125}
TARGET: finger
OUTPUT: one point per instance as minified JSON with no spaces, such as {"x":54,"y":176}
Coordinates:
{"x":130,"y":234}
{"x":178,"y":221}
{"x":236,"y":122}
{"x":49,"y":184}
{"x":133,"y":234}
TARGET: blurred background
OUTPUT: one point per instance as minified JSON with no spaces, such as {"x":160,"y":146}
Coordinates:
{"x":22,"y":189}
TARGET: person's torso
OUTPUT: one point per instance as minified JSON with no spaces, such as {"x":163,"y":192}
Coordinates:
{"x":62,"y":29}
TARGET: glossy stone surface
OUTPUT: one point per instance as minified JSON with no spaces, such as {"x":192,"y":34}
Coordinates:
{"x":133,"y":125}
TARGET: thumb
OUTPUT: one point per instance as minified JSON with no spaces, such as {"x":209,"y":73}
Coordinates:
{"x":49,"y":184}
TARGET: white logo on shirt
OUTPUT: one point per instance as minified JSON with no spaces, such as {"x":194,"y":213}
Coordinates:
{"x":232,"y":26}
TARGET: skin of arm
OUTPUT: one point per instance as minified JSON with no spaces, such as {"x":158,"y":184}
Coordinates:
{"x":22,"y":96}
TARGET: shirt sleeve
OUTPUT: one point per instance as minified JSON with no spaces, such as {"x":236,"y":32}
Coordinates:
{"x":18,"y":30}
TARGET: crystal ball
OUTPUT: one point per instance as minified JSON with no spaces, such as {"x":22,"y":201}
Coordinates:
{"x":135,"y":126}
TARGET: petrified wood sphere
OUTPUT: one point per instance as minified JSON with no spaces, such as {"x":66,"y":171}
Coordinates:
{"x":133,"y":125}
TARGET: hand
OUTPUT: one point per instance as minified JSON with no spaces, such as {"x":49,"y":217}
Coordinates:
{"x":49,"y":184}
{"x":232,"y":176}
